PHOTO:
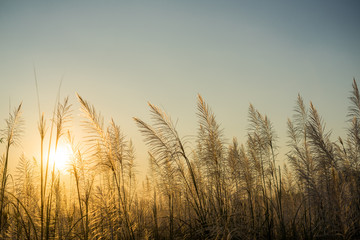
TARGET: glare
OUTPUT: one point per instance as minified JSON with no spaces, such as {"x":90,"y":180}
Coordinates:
{"x":61,"y":157}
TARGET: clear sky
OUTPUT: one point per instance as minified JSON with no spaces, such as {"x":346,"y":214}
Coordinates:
{"x":120,"y":54}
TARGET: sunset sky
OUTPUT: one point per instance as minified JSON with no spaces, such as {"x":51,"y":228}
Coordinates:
{"x":119,"y":55}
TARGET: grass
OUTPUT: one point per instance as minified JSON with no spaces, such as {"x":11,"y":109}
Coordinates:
{"x":212,"y":190}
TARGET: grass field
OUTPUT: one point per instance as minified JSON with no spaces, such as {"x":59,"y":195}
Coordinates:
{"x":208,"y":190}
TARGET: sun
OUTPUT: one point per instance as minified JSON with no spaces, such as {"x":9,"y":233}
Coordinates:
{"x":61,"y":157}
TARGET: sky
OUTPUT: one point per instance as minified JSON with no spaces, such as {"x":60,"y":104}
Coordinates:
{"x":119,"y":55}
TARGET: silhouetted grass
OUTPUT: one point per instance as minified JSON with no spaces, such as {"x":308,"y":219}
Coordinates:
{"x":212,"y":190}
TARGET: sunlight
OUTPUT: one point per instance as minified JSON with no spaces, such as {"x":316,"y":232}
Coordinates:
{"x":61,"y":157}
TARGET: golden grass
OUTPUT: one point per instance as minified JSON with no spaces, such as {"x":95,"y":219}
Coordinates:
{"x":212,"y":190}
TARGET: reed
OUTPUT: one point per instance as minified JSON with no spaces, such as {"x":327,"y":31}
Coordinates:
{"x":11,"y":134}
{"x":210,"y":190}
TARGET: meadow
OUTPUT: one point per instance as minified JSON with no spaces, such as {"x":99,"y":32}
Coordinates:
{"x":205,"y":190}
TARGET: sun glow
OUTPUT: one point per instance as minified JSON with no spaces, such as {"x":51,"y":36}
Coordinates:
{"x":61,"y":157}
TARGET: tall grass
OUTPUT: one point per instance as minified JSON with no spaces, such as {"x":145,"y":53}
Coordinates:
{"x":213,"y":189}
{"x":11,"y":136}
